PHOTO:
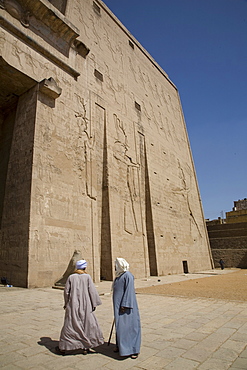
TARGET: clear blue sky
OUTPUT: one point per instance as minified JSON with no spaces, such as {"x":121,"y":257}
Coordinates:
{"x":202,"y":46}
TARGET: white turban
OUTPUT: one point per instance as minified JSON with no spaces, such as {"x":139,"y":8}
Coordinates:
{"x":121,"y":265}
{"x":80,"y":265}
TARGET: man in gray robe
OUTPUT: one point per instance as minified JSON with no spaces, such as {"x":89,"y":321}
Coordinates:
{"x":126,"y":313}
{"x":80,"y":329}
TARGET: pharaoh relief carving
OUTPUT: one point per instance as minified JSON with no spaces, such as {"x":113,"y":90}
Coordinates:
{"x":185,"y":191}
{"x":84,"y":148}
{"x":129,"y":173}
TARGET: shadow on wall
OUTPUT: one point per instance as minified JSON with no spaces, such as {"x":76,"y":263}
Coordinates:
{"x":70,"y":269}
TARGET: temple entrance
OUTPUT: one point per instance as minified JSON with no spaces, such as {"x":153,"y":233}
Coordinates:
{"x":16,"y":143}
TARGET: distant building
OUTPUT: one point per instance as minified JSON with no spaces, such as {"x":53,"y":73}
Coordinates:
{"x":240,"y":205}
{"x":228,"y":237}
{"x":238,"y":213}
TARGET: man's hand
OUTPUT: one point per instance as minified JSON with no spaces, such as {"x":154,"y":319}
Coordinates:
{"x":122,"y":309}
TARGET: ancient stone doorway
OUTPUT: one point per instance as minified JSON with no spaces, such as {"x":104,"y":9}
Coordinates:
{"x":15,"y":164}
{"x":185,"y":267}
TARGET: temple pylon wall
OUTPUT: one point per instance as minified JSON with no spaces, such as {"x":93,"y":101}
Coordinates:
{"x":94,"y":152}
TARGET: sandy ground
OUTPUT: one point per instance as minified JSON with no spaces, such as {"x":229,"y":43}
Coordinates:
{"x":231,"y":286}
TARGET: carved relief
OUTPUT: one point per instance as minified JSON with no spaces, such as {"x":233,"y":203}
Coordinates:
{"x":94,"y":31}
{"x":43,"y":202}
{"x":184,"y":190}
{"x":132,"y":69}
{"x":2,"y":39}
{"x":83,"y":151}
{"x":36,"y":244}
{"x":129,"y":175}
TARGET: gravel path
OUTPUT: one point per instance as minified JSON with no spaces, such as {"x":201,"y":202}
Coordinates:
{"x":232,"y":286}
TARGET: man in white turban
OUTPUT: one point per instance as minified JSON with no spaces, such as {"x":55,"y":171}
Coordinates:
{"x":80,"y":329}
{"x":126,"y":313}
{"x":81,"y":265}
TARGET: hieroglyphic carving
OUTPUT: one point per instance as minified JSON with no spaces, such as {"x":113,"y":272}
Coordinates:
{"x":43,"y":202}
{"x":130,"y":180}
{"x":94,"y":31}
{"x":2,"y":39}
{"x":84,"y":147}
{"x":36,"y":244}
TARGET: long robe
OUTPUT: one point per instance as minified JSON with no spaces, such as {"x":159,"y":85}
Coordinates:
{"x":128,"y":325}
{"x":80,"y":329}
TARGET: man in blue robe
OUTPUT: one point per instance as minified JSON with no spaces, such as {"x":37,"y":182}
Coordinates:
{"x":126,"y":313}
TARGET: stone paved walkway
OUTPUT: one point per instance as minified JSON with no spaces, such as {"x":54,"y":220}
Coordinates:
{"x":177,"y":333}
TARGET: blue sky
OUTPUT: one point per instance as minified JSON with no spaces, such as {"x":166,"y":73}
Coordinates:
{"x":202,"y":46}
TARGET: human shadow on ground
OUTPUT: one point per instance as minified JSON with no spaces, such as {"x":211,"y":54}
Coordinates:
{"x":108,"y":350}
{"x":51,"y":345}
{"x":104,"y":349}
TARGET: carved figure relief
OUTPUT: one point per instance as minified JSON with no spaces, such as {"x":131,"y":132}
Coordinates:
{"x":132,"y":222}
{"x":84,"y":147}
{"x":185,"y":191}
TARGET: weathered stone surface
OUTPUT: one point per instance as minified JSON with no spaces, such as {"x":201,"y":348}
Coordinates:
{"x":97,"y":160}
{"x":229,"y":242}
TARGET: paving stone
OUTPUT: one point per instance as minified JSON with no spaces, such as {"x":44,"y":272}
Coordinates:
{"x":31,"y":346}
{"x":181,"y":364}
{"x":240,"y":363}
{"x":196,"y":336}
{"x":11,"y":357}
{"x":154,"y":362}
{"x":159,"y":345}
{"x":241,"y":337}
{"x":243,"y":354}
{"x":171,"y":352}
{"x":184,"y":343}
{"x":234,"y":345}
{"x":197,"y":353}
{"x":226,"y":354}
{"x":214,"y":364}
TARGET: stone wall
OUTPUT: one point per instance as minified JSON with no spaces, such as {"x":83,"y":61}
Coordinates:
{"x":96,"y":155}
{"x":229,"y":242}
{"x":236,"y":216}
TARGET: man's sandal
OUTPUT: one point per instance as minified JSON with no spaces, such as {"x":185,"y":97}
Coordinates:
{"x":134,"y":356}
{"x":85,"y":351}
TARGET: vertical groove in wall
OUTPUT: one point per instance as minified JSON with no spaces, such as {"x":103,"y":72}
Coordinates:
{"x":106,"y":247}
{"x":149,"y":222}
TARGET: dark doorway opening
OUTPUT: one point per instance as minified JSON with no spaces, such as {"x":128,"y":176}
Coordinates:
{"x":185,"y":267}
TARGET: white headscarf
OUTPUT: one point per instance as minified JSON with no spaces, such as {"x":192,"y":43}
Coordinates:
{"x":80,"y":265}
{"x":121,"y":265}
